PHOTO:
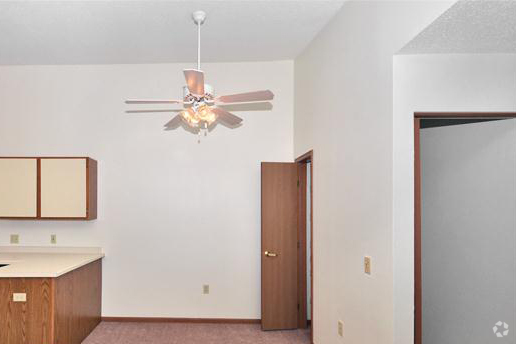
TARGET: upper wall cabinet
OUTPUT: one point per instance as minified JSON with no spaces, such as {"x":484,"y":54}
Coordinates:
{"x":48,"y":188}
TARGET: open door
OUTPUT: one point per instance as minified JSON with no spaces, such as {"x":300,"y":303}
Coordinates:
{"x":279,"y":246}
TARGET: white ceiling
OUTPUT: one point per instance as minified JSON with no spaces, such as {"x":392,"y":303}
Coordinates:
{"x":94,"y":32}
{"x":480,"y":26}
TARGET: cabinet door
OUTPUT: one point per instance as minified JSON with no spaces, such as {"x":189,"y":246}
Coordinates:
{"x":63,"y":188}
{"x":18,"y":187}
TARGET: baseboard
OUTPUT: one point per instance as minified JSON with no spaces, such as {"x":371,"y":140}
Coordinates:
{"x":183,"y":320}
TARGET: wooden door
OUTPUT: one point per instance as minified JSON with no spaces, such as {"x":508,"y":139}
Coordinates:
{"x":279,"y":246}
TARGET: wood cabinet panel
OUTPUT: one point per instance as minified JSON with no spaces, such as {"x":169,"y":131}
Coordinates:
{"x":18,"y":187}
{"x":27,"y":322}
{"x":91,"y":166}
{"x":78,"y":303}
{"x":62,"y":310}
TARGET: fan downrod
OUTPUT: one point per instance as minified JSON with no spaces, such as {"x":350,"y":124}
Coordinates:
{"x":199,"y":17}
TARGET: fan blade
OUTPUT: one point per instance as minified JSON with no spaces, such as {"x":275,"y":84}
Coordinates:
{"x":152,"y":101}
{"x":149,"y":111}
{"x":195,"y":81}
{"x":226,"y":116}
{"x":260,"y":106}
{"x":174,"y":122}
{"x":257,"y":96}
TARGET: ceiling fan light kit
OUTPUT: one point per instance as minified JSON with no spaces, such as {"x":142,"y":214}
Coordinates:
{"x":199,"y":101}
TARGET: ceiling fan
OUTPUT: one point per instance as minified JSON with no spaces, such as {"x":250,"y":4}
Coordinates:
{"x":200,"y":104}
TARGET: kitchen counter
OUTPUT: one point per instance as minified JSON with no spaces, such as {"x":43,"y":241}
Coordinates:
{"x":54,"y":288}
{"x":43,"y":264}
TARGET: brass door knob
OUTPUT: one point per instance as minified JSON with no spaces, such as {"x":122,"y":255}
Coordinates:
{"x":270,"y":254}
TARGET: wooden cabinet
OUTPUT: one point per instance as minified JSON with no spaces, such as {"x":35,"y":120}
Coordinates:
{"x":19,"y":188}
{"x":61,"y":310}
{"x":48,"y":188}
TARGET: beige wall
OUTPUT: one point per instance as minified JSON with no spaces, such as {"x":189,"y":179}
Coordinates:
{"x":173,"y":214}
{"x":458,"y":82}
{"x":343,"y":111}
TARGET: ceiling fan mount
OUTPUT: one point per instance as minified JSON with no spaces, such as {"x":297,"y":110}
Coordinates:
{"x":199,"y":100}
{"x":199,"y":17}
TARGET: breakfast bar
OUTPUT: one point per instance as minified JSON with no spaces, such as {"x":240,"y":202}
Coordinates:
{"x":49,"y":295}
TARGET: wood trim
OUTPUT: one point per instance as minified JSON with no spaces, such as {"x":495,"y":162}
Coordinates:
{"x":91,"y":189}
{"x":305,"y":158}
{"x":301,"y":245}
{"x":14,"y":218}
{"x":418,"y":295}
{"x":312,"y":246}
{"x":45,"y":218}
{"x":182,"y":320}
{"x":88,"y":188}
{"x":45,"y":157}
{"x":465,"y":114}
{"x":38,"y":192}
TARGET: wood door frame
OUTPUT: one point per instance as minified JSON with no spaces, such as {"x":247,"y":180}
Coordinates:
{"x":418,"y":116}
{"x":301,"y":161}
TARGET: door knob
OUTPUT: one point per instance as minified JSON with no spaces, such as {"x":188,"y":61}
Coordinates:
{"x":270,"y":254}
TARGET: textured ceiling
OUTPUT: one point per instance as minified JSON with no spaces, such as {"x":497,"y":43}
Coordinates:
{"x":91,"y":32}
{"x":469,"y":26}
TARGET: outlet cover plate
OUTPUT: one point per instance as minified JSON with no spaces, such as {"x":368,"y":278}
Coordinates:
{"x":15,"y":239}
{"x":19,"y":297}
{"x":367,"y":265}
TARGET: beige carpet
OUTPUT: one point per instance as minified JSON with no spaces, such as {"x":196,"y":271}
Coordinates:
{"x":176,"y":333}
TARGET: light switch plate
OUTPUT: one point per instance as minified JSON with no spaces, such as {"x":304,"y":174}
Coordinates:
{"x":367,"y":265}
{"x":15,"y":239}
{"x":206,"y":289}
{"x":53,"y":239}
{"x":340,"y":328}
{"x":19,"y":297}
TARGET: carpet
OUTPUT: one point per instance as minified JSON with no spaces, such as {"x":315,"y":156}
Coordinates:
{"x":185,"y":333}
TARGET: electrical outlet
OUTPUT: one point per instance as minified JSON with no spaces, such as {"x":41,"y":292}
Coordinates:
{"x":206,"y":289}
{"x":367,"y":265}
{"x":15,"y":239}
{"x":340,"y":328}
{"x":19,"y":297}
{"x":53,"y":239}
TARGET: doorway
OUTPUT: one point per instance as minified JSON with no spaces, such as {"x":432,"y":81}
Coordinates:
{"x":287,"y":244}
{"x":465,"y":198}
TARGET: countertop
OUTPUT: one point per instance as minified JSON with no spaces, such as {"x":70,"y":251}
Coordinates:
{"x":44,"y":262}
